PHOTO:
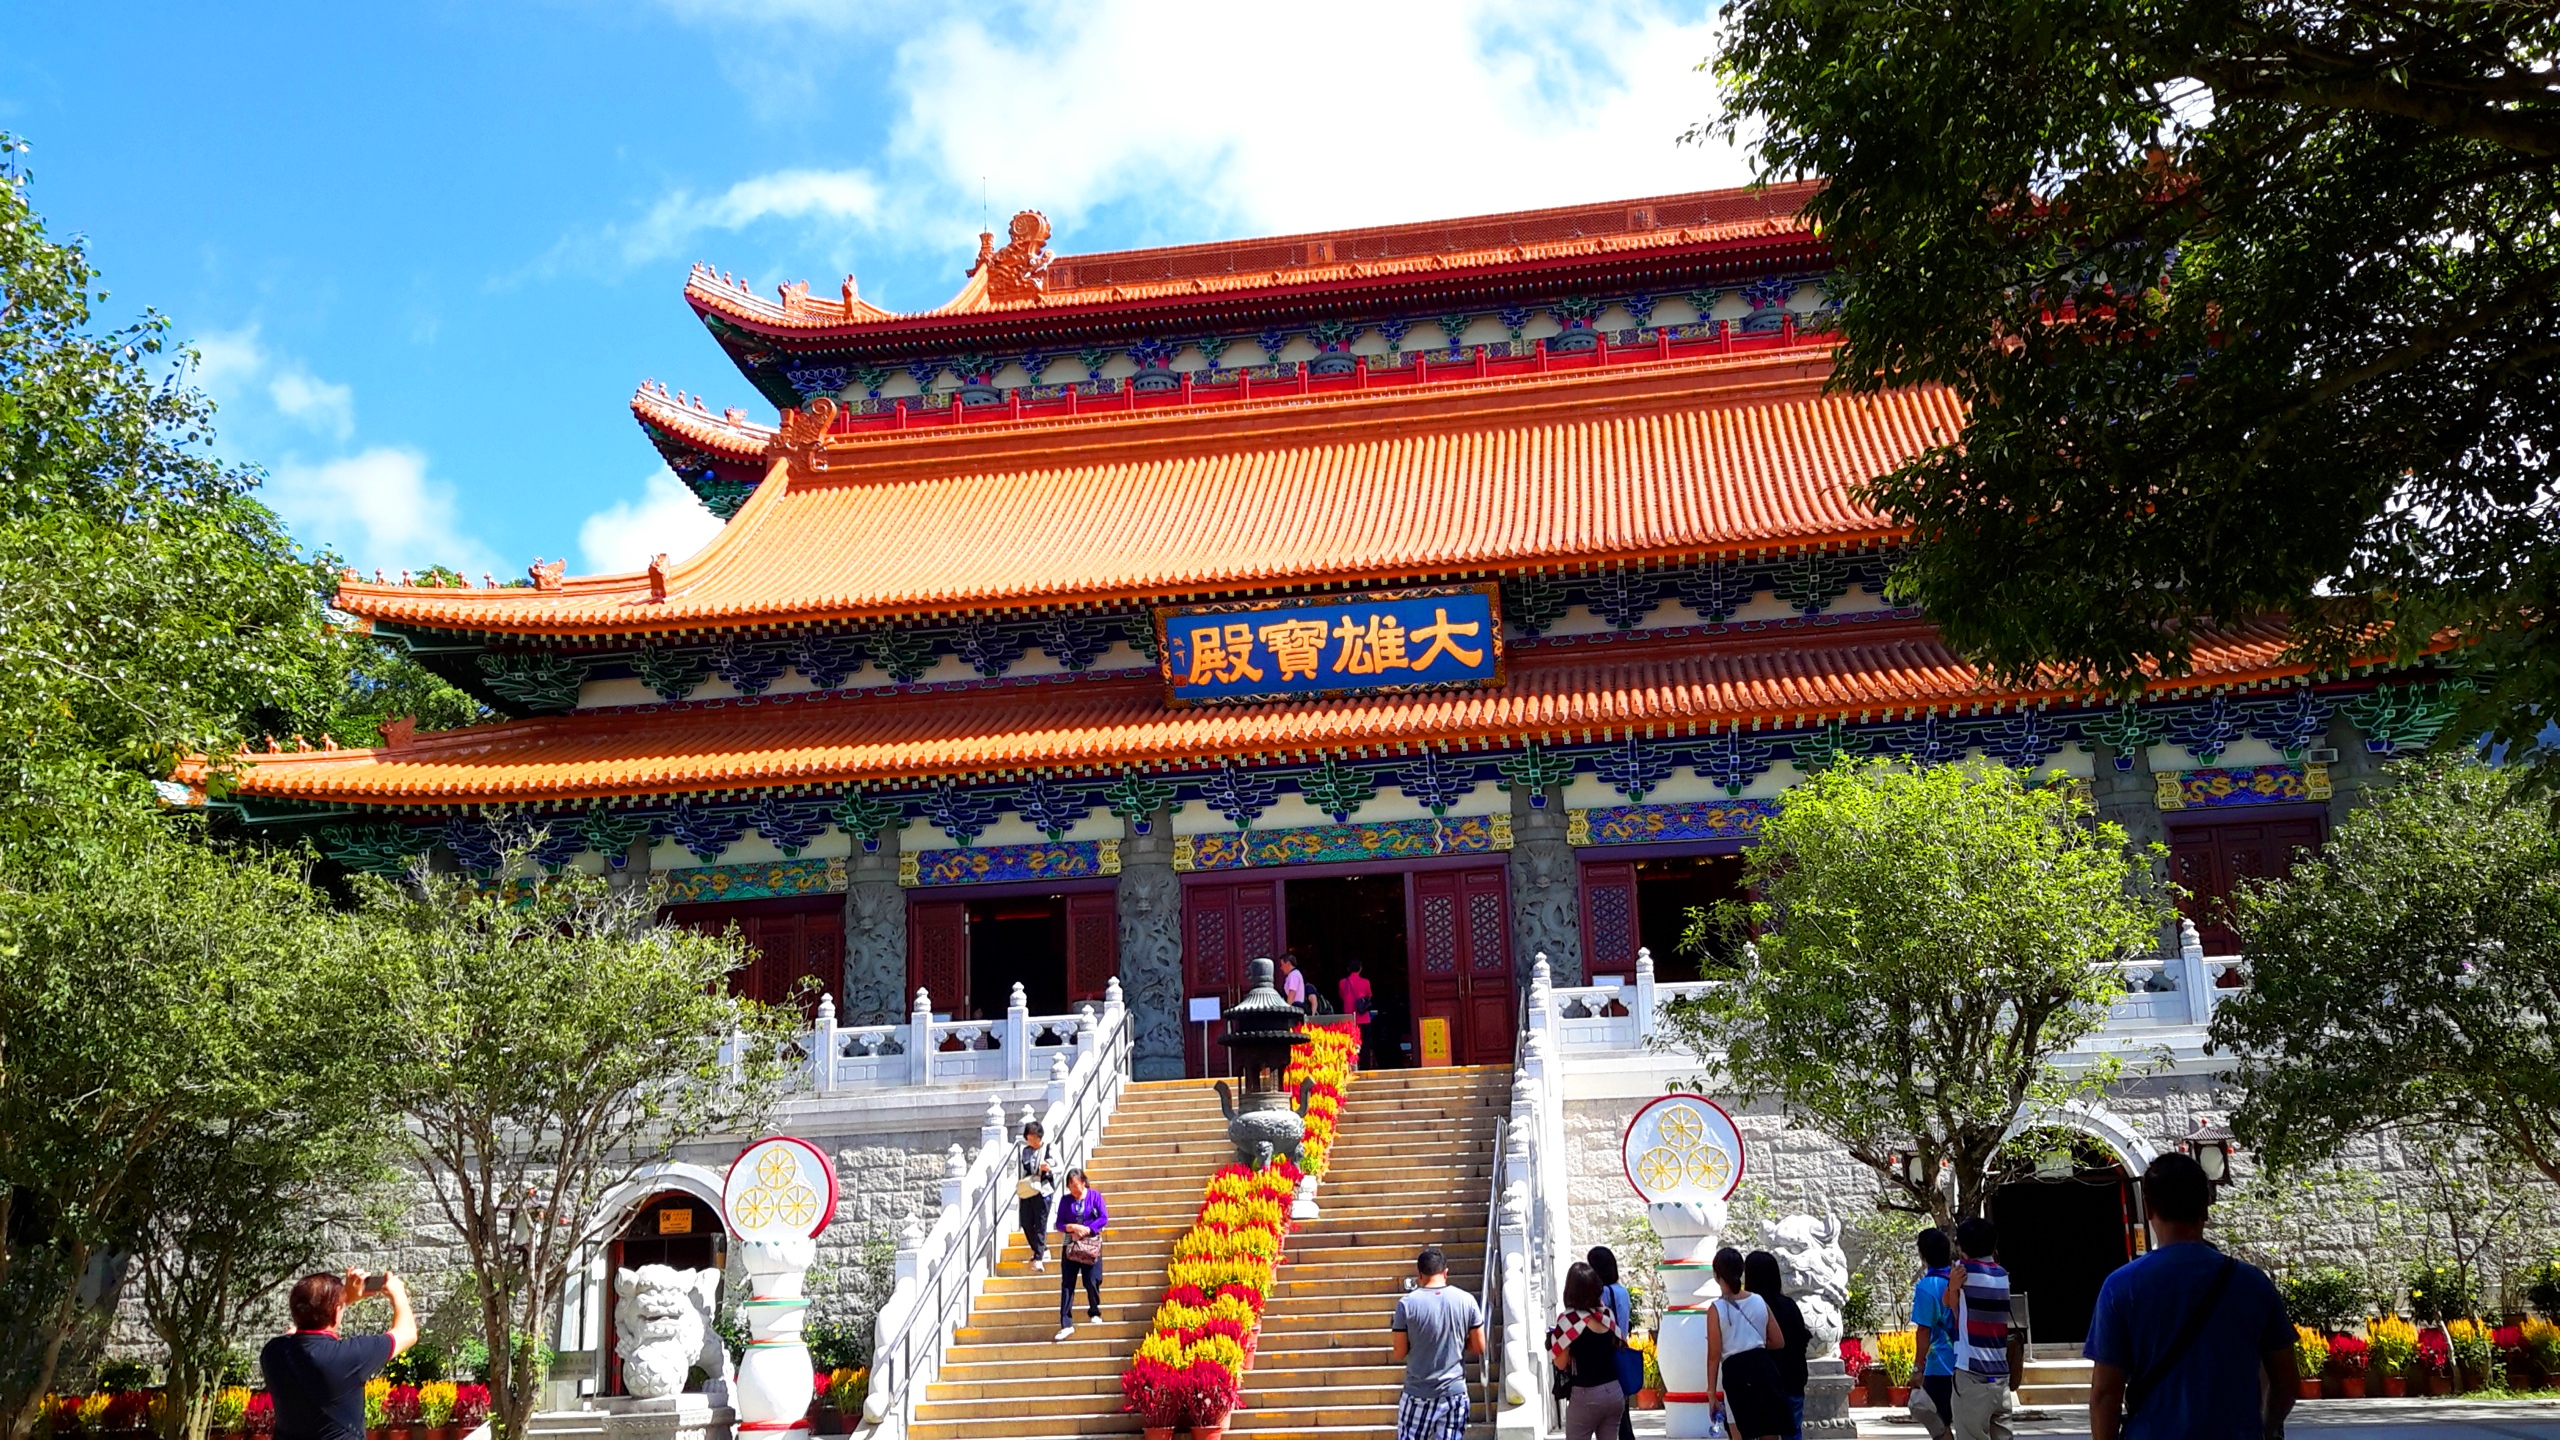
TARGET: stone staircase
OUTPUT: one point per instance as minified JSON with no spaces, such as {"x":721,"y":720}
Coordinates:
{"x":1410,"y":1168}
{"x":2056,"y":1378}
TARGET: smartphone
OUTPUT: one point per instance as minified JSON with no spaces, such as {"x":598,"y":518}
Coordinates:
{"x":376,"y":1285}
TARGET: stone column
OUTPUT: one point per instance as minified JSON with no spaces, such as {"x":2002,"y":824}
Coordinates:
{"x":2355,"y":772}
{"x":2131,"y":799}
{"x":1150,"y":902}
{"x":875,"y":936}
{"x":1545,"y":890}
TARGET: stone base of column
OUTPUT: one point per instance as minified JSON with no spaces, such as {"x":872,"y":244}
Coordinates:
{"x":1826,"y":1399}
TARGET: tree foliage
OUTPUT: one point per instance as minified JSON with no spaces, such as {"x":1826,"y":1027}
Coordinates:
{"x":1930,"y":941}
{"x":2407,"y":974}
{"x":2252,"y":305}
{"x":149,"y":605}
{"x":549,"y":1041}
{"x":160,"y":996}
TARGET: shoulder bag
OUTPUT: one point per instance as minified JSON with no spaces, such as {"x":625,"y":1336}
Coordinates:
{"x":2140,"y":1388}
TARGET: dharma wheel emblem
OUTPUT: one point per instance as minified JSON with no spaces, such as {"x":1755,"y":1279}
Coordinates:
{"x":1682,"y":1147}
{"x":778,"y":1188}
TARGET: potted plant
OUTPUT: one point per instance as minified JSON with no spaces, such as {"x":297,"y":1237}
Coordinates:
{"x":230,"y":1411}
{"x":1649,"y":1395}
{"x":435,"y":1409}
{"x":1870,"y":1375}
{"x":2346,"y":1363}
{"x":848,"y":1387}
{"x":2474,"y":1351}
{"x":1151,"y":1389}
{"x":377,"y":1408}
{"x":1899,"y":1352}
{"x":2310,"y":1358}
{"x":2393,"y":1349}
{"x":2435,"y":1362}
{"x":2542,"y":1348}
{"x":470,"y":1408}
{"x":400,"y":1411}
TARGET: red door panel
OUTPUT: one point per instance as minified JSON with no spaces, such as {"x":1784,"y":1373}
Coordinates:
{"x":1460,"y":947}
{"x":1491,"y":1025}
{"x":786,"y":939}
{"x":1609,"y":930}
{"x":1093,"y":944}
{"x":2210,"y":859}
{"x":1224,"y":927}
{"x":938,"y":954}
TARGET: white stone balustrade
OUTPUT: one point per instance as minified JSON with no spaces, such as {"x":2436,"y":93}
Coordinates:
{"x":926,"y":1051}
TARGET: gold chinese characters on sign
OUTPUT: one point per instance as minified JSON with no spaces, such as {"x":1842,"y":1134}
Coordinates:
{"x":1331,"y":645}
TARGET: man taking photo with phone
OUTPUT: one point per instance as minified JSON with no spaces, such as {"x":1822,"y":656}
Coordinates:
{"x":317,"y":1375}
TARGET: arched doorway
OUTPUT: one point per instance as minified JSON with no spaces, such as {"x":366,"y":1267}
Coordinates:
{"x":672,"y":1227}
{"x":2070,"y":1215}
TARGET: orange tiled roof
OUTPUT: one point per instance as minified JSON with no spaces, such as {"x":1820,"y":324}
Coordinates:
{"x":1557,"y":694}
{"x":729,"y":435}
{"x":1684,"y":458}
{"x":1312,"y":260}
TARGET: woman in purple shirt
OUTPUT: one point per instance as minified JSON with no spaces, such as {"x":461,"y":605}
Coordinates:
{"x":1082,"y":1218}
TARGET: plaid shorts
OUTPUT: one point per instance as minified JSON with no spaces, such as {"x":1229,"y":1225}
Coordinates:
{"x":1442,"y":1417}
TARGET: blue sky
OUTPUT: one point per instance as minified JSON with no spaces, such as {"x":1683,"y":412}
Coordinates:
{"x":428,"y":250}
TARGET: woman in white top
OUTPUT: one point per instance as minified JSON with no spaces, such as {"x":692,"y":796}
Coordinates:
{"x":1742,"y":1361}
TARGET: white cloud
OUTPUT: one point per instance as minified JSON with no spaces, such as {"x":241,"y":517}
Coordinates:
{"x":378,"y":508}
{"x":840,"y":198}
{"x":665,"y":519}
{"x":327,"y":408}
{"x":227,"y":359}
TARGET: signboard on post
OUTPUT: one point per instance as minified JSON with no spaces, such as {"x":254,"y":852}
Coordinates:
{"x":1307,"y":648}
{"x":778,"y":1188}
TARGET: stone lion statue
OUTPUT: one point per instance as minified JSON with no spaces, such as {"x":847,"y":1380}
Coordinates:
{"x":662,"y":1327}
{"x":1816,"y":1270}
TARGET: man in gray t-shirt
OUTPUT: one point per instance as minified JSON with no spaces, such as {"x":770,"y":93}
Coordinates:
{"x":1437,"y":1328}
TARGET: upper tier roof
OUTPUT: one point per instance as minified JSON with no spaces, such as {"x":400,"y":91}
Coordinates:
{"x":1671,"y":460}
{"x":1556,"y":693}
{"x":1375,"y":257}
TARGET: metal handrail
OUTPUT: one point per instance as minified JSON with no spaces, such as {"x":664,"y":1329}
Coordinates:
{"x":1491,"y":1293}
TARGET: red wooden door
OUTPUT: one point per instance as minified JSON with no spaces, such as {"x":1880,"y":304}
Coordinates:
{"x":1224,"y":927}
{"x":1460,"y":940}
{"x":1609,"y":929}
{"x":2210,"y":859}
{"x":787,"y":941}
{"x":1093,"y":944}
{"x":938,"y":954}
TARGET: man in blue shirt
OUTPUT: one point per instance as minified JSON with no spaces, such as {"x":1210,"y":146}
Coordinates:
{"x":1934,"y":1406}
{"x":2190,"y":1344}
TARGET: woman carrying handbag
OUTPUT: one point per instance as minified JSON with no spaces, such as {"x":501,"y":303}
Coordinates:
{"x":1742,"y":1359}
{"x":1622,"y":1308}
{"x":1082,"y":1217}
{"x":1033,"y":1184}
{"x":1583,"y":1347}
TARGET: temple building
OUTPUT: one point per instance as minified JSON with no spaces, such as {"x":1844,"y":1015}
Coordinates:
{"x":1426,"y":597}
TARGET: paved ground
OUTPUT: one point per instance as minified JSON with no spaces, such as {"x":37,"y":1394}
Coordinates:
{"x":2352,"y":1419}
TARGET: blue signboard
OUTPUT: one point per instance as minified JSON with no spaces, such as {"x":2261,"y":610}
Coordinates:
{"x":1302,"y":649}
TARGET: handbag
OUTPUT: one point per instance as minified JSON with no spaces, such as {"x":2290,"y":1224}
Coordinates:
{"x":1083,"y":1250}
{"x":1027,"y":1188}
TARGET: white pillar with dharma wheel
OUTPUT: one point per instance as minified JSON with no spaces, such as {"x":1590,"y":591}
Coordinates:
{"x":1684,"y":1157}
{"x":779,"y":1197}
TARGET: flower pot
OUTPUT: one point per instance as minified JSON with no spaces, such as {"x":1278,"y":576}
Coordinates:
{"x":2520,"y":1379}
{"x":2310,"y":1387}
{"x":1876,"y":1386}
{"x":2351,"y":1387}
{"x":1157,"y":1432}
{"x":1209,"y":1432}
{"x":1648,"y":1399}
{"x":2394,"y":1386}
{"x":1897,"y":1396}
{"x":2439,"y":1383}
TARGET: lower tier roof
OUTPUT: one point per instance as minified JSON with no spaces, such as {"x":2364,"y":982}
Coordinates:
{"x":1559,"y":692}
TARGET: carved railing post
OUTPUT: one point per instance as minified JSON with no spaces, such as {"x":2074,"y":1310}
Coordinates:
{"x":920,"y":1040}
{"x":1017,"y":1035}
{"x":822,"y":1046}
{"x":1644,"y":996}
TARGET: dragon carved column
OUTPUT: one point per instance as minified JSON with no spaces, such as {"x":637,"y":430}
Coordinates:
{"x":1544,"y":890}
{"x":1150,"y":902}
{"x":875,"y":937}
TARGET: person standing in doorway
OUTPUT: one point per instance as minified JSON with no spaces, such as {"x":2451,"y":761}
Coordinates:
{"x":1436,"y":1329}
{"x":1761,"y":1277}
{"x":1293,"y":985}
{"x":1359,"y":1002}
{"x":1933,"y":1406}
{"x":2188,"y":1341}
{"x":1034,"y":1183}
{"x":1621,"y":1302}
{"x":1082,"y":1217}
{"x":316,"y":1375}
{"x":1989,"y":1354}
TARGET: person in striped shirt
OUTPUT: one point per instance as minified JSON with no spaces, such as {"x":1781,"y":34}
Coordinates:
{"x":1988,"y":1358}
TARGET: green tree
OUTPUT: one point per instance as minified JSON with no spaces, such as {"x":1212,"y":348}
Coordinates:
{"x":2251,"y":305}
{"x":150,"y":607}
{"x":548,"y":1041}
{"x":157,"y":992}
{"x":1930,"y":941}
{"x":2407,"y":974}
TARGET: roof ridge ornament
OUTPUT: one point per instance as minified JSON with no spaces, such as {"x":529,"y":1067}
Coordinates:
{"x":1019,"y":270}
